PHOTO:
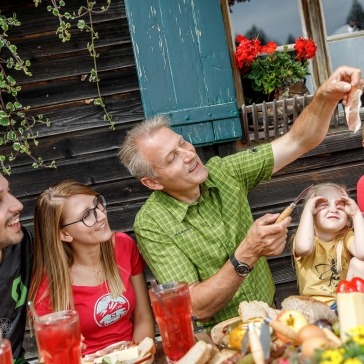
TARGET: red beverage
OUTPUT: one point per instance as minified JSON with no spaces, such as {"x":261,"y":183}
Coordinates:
{"x":6,"y":356}
{"x":172,"y":310}
{"x":59,"y":338}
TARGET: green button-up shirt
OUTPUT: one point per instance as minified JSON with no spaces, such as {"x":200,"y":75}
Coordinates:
{"x":182,"y":242}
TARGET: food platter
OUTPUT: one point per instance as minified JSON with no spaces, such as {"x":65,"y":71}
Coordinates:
{"x":218,"y":332}
{"x":229,"y":333}
{"x":124,"y":351}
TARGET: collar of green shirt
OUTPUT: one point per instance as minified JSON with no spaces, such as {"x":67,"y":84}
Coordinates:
{"x":179,"y":208}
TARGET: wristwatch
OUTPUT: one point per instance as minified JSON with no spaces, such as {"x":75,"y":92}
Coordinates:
{"x":242,"y":269}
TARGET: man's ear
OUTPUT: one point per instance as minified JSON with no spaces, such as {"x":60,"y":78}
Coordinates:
{"x":151,"y":183}
{"x":65,"y":236}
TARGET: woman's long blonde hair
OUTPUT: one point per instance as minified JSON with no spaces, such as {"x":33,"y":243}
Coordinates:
{"x":53,"y":257}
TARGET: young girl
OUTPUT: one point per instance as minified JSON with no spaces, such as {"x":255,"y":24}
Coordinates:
{"x":81,"y":263}
{"x":329,"y":242}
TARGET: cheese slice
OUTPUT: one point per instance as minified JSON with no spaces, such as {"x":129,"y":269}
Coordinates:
{"x":351,"y":313}
{"x":120,"y":355}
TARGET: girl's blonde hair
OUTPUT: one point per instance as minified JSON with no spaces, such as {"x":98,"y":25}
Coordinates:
{"x":53,"y":257}
{"x":339,"y":239}
{"x":320,"y":186}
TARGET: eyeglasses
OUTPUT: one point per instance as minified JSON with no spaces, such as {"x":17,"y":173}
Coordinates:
{"x":90,"y":216}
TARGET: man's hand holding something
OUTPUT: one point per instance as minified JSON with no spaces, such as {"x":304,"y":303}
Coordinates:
{"x":339,"y":84}
{"x":264,"y":238}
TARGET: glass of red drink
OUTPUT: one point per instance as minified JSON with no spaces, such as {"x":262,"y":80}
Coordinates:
{"x":59,"y":337}
{"x":171,"y":303}
{"x":6,"y":356}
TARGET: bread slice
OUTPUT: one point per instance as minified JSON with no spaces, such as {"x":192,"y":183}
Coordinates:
{"x":200,"y":353}
{"x":256,"y":309}
{"x":313,"y":309}
{"x":135,"y":354}
{"x":221,"y":357}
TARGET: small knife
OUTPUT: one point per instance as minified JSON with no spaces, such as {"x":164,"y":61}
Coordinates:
{"x":244,"y":343}
{"x":255,"y":345}
{"x":288,"y":210}
{"x":265,"y":339}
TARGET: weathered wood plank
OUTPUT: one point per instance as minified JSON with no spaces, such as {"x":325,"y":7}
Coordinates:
{"x":58,"y":67}
{"x":79,"y":115}
{"x":70,"y":88}
{"x":37,"y":20}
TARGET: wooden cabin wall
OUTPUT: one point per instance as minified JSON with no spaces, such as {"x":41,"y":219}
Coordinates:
{"x":85,"y":148}
{"x":79,"y":140}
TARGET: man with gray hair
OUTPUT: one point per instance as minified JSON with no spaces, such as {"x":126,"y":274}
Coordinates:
{"x":197,"y":225}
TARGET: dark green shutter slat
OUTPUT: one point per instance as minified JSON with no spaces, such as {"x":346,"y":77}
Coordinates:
{"x":183,"y":66}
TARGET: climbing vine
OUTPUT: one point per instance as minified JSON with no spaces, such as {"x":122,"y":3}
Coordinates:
{"x":17,"y":128}
{"x":64,"y":33}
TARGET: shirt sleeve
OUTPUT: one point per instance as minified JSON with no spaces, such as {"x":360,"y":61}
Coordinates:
{"x":250,"y":166}
{"x":126,"y":248}
{"x":349,"y":240}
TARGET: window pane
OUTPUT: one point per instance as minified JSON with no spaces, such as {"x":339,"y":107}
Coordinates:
{"x":349,"y":51}
{"x":345,"y":17}
{"x":279,"y":23}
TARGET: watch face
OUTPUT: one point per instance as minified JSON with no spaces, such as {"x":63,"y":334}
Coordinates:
{"x":242,"y":269}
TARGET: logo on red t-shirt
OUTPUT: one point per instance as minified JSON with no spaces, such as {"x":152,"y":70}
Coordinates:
{"x":109,"y":309}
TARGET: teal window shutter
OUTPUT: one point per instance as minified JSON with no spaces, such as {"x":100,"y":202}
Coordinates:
{"x":184,"y":68}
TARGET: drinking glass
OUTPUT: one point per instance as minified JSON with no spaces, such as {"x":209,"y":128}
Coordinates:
{"x":6,"y":356}
{"x":59,"y":337}
{"x":171,"y":303}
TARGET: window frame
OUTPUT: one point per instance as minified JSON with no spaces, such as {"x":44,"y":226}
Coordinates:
{"x":320,"y":68}
{"x":313,"y":26}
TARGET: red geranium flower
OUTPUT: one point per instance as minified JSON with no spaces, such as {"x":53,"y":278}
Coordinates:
{"x":306,"y":48}
{"x":247,"y":51}
{"x":269,"y":48}
{"x":269,"y":69}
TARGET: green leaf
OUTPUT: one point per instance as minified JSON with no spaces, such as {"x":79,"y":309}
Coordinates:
{"x":16,"y":146}
{"x":81,"y":24}
{"x":12,"y":48}
{"x":11,"y":135}
{"x":4,"y":121}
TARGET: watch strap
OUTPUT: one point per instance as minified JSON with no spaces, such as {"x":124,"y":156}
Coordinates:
{"x":242,"y":269}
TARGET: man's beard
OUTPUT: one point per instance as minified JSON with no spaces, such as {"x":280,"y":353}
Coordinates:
{"x":13,"y":240}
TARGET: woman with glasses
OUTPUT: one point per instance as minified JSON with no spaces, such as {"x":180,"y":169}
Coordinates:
{"x":81,"y":263}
